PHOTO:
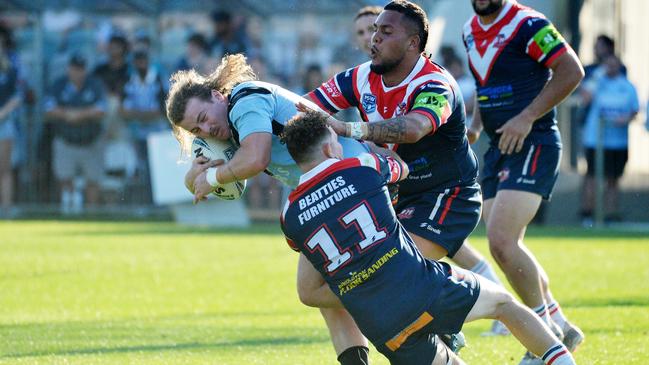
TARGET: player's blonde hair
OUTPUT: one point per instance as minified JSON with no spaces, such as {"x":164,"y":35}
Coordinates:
{"x":188,"y":84}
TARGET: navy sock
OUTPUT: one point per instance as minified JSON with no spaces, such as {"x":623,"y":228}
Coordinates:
{"x":356,"y":355}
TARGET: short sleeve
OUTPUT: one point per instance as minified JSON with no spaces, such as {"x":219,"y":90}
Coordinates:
{"x":253,"y":114}
{"x":389,"y":168}
{"x":435,"y":101}
{"x":337,"y":93}
{"x":543,"y":41}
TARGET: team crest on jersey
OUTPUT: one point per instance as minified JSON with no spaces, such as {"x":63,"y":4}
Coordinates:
{"x":499,"y":42}
{"x":503,"y":174}
{"x":401,"y":109}
{"x":407,"y":213}
{"x":470,"y":41}
{"x":369,"y":103}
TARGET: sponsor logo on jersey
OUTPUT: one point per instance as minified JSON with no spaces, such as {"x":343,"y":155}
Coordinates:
{"x":428,"y":227}
{"x":407,"y":213}
{"x":432,"y":101}
{"x":503,"y":174}
{"x":547,"y":38}
{"x":522,"y":180}
{"x":369,"y":103}
{"x":331,"y":88}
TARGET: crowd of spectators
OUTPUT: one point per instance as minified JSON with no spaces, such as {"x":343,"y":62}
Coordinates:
{"x":106,"y":81}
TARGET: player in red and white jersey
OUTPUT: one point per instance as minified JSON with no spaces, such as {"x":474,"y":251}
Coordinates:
{"x":415,"y":106}
{"x":523,"y":68}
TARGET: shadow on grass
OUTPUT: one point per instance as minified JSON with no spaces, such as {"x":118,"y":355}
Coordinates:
{"x":253,"y":342}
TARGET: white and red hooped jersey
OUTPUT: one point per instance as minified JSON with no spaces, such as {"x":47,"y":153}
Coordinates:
{"x":439,"y":160}
{"x":510,"y":60}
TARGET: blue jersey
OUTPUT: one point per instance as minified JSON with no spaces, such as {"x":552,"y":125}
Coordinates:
{"x":613,"y":98}
{"x":340,"y":217}
{"x":510,"y":61}
{"x":256,"y":107}
{"x":439,"y":160}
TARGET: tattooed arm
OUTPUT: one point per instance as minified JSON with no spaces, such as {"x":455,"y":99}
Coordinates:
{"x":408,"y":128}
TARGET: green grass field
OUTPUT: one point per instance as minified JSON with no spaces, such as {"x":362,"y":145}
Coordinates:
{"x":154,"y":293}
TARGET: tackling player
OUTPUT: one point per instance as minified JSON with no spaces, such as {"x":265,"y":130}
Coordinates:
{"x":415,"y":105}
{"x":523,"y":68}
{"x":340,"y":218}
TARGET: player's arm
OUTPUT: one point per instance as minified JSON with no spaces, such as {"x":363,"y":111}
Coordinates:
{"x":431,"y":107}
{"x":399,"y":169}
{"x":312,"y":288}
{"x":336,"y":94}
{"x":252,"y":158}
{"x":473,"y":131}
{"x":547,"y":47}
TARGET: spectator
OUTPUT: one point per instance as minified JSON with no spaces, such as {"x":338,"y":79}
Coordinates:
{"x":142,"y":108}
{"x":614,"y":103}
{"x":114,"y":72}
{"x":364,"y":27}
{"x":75,"y":106}
{"x":228,"y":38}
{"x":197,"y":56}
{"x":9,"y":103}
{"x":604,"y":47}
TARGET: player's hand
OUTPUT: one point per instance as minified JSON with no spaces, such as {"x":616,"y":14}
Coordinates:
{"x":201,"y":187}
{"x":199,"y":165}
{"x":473,"y":135}
{"x":303,"y":108}
{"x":513,"y":134}
{"x":338,"y":126}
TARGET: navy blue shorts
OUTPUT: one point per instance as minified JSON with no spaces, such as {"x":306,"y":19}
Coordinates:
{"x":417,"y":343}
{"x":535,"y":169}
{"x":446,"y":217}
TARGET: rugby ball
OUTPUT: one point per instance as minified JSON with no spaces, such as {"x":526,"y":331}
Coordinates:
{"x":215,"y":149}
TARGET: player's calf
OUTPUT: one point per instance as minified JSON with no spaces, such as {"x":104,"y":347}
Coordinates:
{"x":495,"y":303}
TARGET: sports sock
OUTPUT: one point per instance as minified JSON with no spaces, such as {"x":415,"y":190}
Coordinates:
{"x":485,"y":269}
{"x":356,"y":355}
{"x":542,"y":311}
{"x":557,"y":314}
{"x":558,"y":355}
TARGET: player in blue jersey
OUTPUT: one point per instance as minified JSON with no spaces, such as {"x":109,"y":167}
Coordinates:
{"x":341,"y":220}
{"x":512,"y":52}
{"x":229,"y":105}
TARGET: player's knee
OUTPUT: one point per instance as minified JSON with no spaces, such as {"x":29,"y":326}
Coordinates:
{"x":505,"y":303}
{"x":307,"y":296}
{"x":499,"y":245}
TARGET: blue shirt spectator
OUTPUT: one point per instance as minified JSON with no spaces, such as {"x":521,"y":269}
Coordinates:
{"x":614,"y":103}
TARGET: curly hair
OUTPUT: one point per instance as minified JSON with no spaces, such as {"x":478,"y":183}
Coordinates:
{"x":188,"y":84}
{"x":303,"y":133}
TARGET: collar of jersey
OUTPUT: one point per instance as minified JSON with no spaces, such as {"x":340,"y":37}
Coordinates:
{"x":415,"y":70}
{"x":316,"y":170}
{"x":508,"y":5}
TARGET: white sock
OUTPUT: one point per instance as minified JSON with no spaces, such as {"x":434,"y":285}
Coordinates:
{"x":485,"y":269}
{"x":557,"y":314}
{"x":558,"y":355}
{"x":555,"y":310}
{"x":542,"y":311}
